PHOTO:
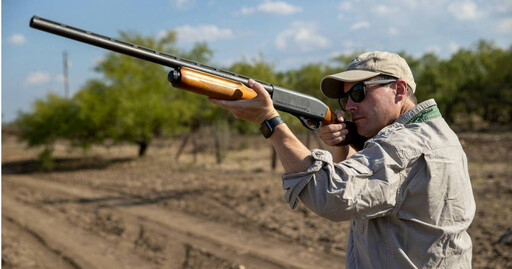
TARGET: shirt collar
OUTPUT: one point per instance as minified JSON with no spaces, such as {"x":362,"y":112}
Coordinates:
{"x":417,"y":111}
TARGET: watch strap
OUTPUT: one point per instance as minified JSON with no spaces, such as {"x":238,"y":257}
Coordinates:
{"x":268,"y":126}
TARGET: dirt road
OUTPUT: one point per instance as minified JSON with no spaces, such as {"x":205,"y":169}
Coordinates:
{"x":96,"y":218}
{"x":108,"y":209}
{"x":125,"y":224}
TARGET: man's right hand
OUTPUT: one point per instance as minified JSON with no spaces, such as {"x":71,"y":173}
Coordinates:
{"x":333,"y":134}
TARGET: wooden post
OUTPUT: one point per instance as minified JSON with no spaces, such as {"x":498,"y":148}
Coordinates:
{"x":194,"y":129}
{"x":273,"y":162}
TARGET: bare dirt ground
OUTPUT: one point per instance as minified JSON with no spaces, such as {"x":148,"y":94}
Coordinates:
{"x":109,"y":209}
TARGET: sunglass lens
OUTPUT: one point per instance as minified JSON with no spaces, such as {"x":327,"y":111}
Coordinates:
{"x":343,"y":102}
{"x":357,"y":93}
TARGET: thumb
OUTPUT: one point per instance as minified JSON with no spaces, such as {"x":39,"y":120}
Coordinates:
{"x":340,"y":115}
{"x":257,"y":87}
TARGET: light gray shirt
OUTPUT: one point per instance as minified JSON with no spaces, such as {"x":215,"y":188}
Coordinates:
{"x":407,"y":194}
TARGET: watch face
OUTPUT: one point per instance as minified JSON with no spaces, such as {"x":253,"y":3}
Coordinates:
{"x":266,"y":129}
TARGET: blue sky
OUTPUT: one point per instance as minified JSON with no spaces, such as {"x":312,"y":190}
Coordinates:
{"x":287,"y":33}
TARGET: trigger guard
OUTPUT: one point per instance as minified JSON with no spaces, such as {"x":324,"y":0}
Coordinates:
{"x":304,"y":122}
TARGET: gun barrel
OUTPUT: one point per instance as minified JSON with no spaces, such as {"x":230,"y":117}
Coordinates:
{"x":303,"y":106}
{"x":134,"y":50}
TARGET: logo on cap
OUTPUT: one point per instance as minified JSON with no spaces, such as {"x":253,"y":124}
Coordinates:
{"x":354,"y":61}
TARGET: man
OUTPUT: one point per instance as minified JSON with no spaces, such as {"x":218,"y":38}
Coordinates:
{"x":407,"y":193}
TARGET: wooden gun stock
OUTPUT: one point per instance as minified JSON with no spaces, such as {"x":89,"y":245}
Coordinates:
{"x":210,"y":85}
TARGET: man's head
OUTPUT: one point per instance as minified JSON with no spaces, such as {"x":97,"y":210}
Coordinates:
{"x":375,"y":88}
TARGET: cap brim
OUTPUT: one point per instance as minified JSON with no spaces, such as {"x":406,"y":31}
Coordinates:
{"x":332,"y":85}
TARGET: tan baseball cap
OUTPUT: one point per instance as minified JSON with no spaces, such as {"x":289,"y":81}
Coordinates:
{"x":365,"y":66}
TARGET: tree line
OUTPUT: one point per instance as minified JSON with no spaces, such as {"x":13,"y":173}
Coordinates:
{"x":133,"y":101}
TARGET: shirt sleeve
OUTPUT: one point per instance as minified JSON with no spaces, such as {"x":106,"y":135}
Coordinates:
{"x":363,"y":186}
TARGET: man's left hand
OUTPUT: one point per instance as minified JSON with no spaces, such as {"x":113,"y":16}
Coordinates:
{"x":257,"y":109}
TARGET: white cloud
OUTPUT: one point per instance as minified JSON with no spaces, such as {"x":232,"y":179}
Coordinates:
{"x":501,"y":7}
{"x":360,"y":25}
{"x":183,"y":4}
{"x":302,"y":35}
{"x":421,"y":4}
{"x":346,"y":52}
{"x":384,"y":10}
{"x":98,"y":60}
{"x":208,"y":33}
{"x":247,"y":10}
{"x":505,"y":26}
{"x":393,"y":31}
{"x":17,"y":39}
{"x":464,"y":10}
{"x":434,"y":49}
{"x":37,"y":77}
{"x":59,"y":78}
{"x":454,"y":47}
{"x":272,"y":7}
{"x":344,"y":7}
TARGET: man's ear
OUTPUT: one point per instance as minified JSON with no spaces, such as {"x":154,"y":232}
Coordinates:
{"x":401,"y":89}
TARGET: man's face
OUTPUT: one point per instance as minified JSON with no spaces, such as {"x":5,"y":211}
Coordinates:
{"x":378,"y":109}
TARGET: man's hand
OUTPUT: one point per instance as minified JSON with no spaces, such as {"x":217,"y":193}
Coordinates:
{"x":257,"y":109}
{"x":294,"y":156}
{"x":333,"y":134}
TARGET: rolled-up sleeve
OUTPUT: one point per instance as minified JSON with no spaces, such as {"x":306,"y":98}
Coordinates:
{"x":352,"y":189}
{"x":294,"y":183}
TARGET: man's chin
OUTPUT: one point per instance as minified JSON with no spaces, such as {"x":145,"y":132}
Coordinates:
{"x":360,"y":130}
{"x":364,"y":132}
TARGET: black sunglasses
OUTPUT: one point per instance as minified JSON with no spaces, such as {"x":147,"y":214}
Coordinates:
{"x":358,"y":91}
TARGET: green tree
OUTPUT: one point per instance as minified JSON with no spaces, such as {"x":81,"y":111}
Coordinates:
{"x":473,"y":82}
{"x":49,"y":120}
{"x":143,"y":104}
{"x":492,"y":87}
{"x":133,"y":102}
{"x":96,"y":105}
{"x":428,"y":76}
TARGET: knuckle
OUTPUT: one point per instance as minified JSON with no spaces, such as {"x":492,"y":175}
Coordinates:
{"x":333,"y":128}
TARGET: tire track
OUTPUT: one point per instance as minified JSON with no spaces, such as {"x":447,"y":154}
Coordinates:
{"x":231,"y":244}
{"x":22,"y":248}
{"x":77,"y":246}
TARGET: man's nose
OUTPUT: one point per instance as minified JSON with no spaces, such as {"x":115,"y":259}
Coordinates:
{"x":351,"y":105}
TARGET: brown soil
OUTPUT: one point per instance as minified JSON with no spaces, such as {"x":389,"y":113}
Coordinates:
{"x":108,"y":209}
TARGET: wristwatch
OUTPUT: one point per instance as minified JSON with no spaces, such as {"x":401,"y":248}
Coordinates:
{"x":268,"y":126}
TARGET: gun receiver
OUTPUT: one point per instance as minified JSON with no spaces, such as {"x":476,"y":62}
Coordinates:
{"x":200,"y":78}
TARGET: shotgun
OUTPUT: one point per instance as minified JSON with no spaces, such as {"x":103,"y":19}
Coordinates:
{"x":202,"y":79}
